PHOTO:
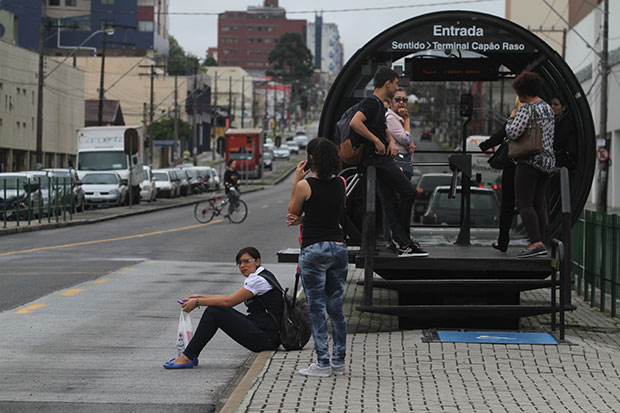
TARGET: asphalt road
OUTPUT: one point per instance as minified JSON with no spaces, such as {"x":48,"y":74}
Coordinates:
{"x":89,"y":313}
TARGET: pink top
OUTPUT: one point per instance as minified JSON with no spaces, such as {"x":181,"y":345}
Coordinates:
{"x":396,"y":126}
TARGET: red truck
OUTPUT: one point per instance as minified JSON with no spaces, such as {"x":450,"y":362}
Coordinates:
{"x":246,"y":147}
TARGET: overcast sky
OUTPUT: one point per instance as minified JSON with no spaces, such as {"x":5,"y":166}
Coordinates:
{"x":196,"y":33}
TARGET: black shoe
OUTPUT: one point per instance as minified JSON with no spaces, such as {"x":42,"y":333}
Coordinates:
{"x":412,"y":250}
{"x":500,"y":247}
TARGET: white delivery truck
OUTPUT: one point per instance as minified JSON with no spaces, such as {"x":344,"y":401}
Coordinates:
{"x":102,"y":148}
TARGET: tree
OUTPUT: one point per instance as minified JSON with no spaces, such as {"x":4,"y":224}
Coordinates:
{"x":210,"y":61}
{"x":179,"y":62}
{"x":291,"y":60}
{"x":164,"y":129}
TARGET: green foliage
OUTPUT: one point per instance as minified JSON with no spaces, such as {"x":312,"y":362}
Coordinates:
{"x":164,"y":129}
{"x":291,"y":59}
{"x":179,"y":62}
{"x":210,"y":61}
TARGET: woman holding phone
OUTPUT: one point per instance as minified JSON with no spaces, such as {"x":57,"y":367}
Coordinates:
{"x":317,"y":200}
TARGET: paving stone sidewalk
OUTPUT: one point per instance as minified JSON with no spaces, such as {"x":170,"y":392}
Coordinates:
{"x":395,"y":371}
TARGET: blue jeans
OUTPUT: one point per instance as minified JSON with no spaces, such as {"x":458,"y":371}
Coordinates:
{"x":323,"y":267}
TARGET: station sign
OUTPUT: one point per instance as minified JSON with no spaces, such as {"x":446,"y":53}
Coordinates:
{"x":465,"y":35}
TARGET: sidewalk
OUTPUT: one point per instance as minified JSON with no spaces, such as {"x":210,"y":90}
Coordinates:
{"x":395,"y":371}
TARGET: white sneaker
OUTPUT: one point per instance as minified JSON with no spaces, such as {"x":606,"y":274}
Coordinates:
{"x":339,"y":370}
{"x":314,"y":370}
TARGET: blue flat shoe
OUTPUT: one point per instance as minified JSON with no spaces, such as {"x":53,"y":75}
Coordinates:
{"x":526,"y":253}
{"x":170,"y":364}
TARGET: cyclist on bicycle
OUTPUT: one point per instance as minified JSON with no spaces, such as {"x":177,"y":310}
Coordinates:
{"x":231,"y":184}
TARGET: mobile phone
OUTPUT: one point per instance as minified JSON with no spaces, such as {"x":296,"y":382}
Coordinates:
{"x":181,"y":301}
{"x":308,"y":164}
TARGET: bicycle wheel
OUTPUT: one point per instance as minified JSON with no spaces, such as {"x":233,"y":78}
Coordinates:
{"x":204,"y":211}
{"x":238,"y":214}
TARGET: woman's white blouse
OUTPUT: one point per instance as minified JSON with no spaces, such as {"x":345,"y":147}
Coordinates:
{"x":256,"y":284}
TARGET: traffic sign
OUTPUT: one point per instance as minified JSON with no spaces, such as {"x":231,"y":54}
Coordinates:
{"x":602,"y":154}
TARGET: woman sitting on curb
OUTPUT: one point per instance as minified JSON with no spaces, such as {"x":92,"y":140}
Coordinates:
{"x":255,"y":331}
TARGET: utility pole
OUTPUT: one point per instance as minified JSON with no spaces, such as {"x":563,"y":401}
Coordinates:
{"x":214,"y":117}
{"x":176,"y":122}
{"x":101,"y":89}
{"x":229,"y":100}
{"x":601,"y":199}
{"x":242,"y":101}
{"x":40,"y":86}
{"x":195,"y":116}
{"x":151,"y":136}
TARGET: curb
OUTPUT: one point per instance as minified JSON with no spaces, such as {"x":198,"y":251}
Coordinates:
{"x":285,"y":175}
{"x":242,"y":395}
{"x":37,"y":227}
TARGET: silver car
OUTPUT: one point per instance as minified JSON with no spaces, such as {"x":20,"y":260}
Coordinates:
{"x":166,"y":183}
{"x":104,"y":189}
{"x":148,"y":189}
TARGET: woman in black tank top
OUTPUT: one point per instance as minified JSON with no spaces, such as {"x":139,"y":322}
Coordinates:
{"x":317,"y":202}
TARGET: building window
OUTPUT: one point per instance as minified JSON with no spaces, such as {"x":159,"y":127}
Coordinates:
{"x":71,"y":3}
{"x":54,"y":2}
{"x":109,"y":2}
{"x":145,"y":3}
{"x":145,"y":26}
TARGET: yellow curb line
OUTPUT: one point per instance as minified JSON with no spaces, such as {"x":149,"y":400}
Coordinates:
{"x":71,"y":292}
{"x":29,"y":308}
{"x":240,"y":392}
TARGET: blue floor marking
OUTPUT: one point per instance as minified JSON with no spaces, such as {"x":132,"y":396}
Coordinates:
{"x":496,"y":337}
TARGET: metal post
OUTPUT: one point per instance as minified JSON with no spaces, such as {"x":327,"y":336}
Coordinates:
{"x":368,"y":246}
{"x":194,"y":150}
{"x":176,"y":122}
{"x":601,"y":196}
{"x":242,"y":101}
{"x":565,"y":273}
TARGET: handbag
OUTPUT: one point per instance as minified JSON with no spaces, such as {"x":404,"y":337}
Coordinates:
{"x":500,"y":158}
{"x":184,"y":334}
{"x":295,"y":330}
{"x":403,"y":162}
{"x":530,"y":142}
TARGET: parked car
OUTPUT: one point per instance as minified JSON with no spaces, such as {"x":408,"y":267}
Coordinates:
{"x":442,"y":210}
{"x":268,"y":161}
{"x":18,"y":193}
{"x":301,"y":141}
{"x":51,"y":195}
{"x":292,"y":146}
{"x":426,"y":134}
{"x":204,"y":175}
{"x":216,"y":178}
{"x":148,"y":189}
{"x":68,"y":178}
{"x":417,"y":174}
{"x":105,"y":189}
{"x":283,"y":152}
{"x":166,"y":183}
{"x":426,"y":186}
{"x":184,"y":184}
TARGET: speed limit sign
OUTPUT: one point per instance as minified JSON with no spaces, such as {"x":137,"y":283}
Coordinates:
{"x":602,"y":154}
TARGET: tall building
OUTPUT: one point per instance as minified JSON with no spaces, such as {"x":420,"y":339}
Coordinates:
{"x":141,"y":25}
{"x":245,"y":38}
{"x":323,"y":40}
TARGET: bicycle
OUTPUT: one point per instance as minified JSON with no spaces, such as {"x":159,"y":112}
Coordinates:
{"x":205,"y":211}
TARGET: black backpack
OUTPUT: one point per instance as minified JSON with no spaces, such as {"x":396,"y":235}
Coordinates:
{"x":295,"y":328}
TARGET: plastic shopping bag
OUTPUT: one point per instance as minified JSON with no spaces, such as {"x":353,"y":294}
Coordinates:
{"x":185,"y":332}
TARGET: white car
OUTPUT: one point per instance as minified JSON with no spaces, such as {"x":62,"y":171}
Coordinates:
{"x":148,"y":189}
{"x":292,"y":146}
{"x":283,"y":152}
{"x":216,"y":178}
{"x":268,"y":146}
{"x":15,"y":186}
{"x":301,"y":140}
{"x":104,"y":188}
{"x":166,"y":183}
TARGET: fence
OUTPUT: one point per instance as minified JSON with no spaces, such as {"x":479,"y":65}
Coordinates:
{"x":596,"y":258}
{"x":24,"y":199}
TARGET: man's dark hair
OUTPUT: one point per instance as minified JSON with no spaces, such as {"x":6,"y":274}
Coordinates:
{"x":528,"y":84}
{"x":383,"y":75}
{"x":251,"y":251}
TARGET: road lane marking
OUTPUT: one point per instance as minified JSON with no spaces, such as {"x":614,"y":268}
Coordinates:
{"x":265,"y":206}
{"x":29,"y":308}
{"x":100,"y":280}
{"x":125,"y":270}
{"x":280,"y":201}
{"x":71,"y":292}
{"x":100,"y":241}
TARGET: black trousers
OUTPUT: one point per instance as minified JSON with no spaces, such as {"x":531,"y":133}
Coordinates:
{"x":531,"y":198}
{"x":507,"y":206}
{"x":397,"y":196}
{"x":238,"y":326}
